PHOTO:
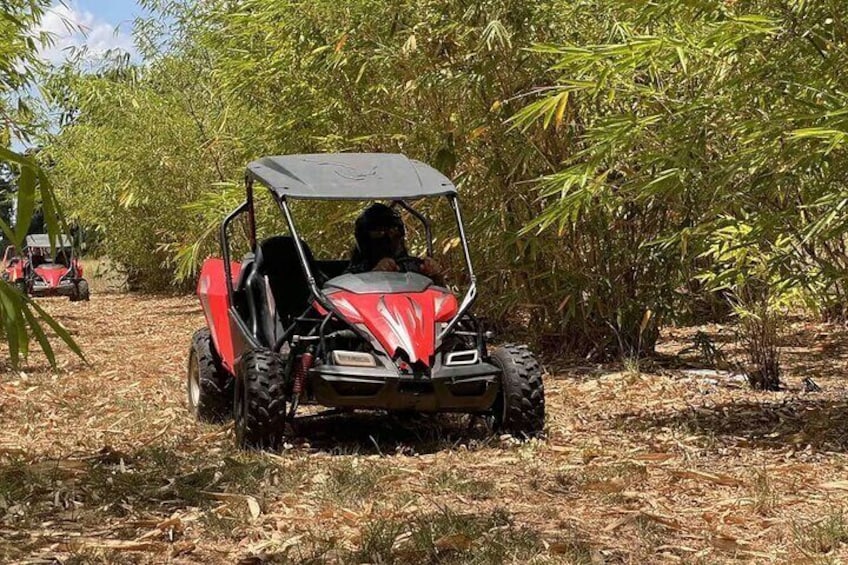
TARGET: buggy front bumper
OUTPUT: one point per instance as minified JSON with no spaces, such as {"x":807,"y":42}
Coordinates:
{"x":64,"y":288}
{"x":467,"y":388}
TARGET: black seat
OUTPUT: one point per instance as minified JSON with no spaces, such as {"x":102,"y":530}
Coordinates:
{"x":277,"y":269}
{"x":277,"y":259}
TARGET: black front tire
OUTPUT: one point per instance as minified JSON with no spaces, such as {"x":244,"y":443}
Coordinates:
{"x":209,"y":386}
{"x":520,"y":407}
{"x":21,"y":285}
{"x":83,"y":290}
{"x":260,"y":400}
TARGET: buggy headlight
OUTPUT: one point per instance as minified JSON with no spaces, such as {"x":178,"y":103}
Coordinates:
{"x":353,"y":359}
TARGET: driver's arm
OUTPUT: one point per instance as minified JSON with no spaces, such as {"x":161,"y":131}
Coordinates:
{"x":387,"y":264}
{"x":430,"y":268}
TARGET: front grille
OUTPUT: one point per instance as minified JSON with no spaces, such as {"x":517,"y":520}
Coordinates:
{"x":356,"y":389}
{"x":416,"y":387}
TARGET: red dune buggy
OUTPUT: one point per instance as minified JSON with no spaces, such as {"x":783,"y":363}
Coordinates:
{"x":41,"y":272}
{"x":285,"y":328}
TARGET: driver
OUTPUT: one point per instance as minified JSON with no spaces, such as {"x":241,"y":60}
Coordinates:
{"x":62,"y":258}
{"x":380,"y":246}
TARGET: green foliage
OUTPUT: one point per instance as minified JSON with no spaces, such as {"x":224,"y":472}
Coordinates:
{"x":144,"y":144}
{"x":680,"y":145}
{"x":431,"y":80}
{"x":18,"y":46}
{"x":691,"y":158}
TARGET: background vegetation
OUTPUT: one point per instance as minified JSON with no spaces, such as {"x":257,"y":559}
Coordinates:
{"x":623,"y":164}
{"x":25,"y":190}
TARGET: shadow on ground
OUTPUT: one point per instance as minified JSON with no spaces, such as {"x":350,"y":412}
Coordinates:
{"x":801,"y":422}
{"x":377,"y":433}
{"x":117,"y":495}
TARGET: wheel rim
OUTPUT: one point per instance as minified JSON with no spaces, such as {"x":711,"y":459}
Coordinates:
{"x":193,"y":381}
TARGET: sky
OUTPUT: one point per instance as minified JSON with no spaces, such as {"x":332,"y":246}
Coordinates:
{"x":99,"y":24}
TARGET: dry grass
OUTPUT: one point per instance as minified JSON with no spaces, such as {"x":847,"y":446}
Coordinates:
{"x":102,"y":464}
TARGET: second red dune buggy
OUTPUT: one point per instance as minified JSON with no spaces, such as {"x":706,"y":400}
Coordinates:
{"x":284,"y":328}
{"x":39,"y":271}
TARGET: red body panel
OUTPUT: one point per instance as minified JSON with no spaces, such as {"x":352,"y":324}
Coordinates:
{"x":400,"y":321}
{"x":212,"y":291}
{"x":51,"y":274}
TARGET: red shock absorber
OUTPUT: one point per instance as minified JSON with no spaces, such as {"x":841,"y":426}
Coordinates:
{"x":301,"y":368}
{"x":300,"y":373}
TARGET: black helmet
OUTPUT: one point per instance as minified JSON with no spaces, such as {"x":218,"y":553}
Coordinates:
{"x":375,"y":217}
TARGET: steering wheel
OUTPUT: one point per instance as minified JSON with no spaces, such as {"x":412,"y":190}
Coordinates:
{"x":409,"y":264}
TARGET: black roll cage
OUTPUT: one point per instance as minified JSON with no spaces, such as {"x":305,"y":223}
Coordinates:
{"x":248,"y":207}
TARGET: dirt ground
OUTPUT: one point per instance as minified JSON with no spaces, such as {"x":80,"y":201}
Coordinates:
{"x":102,"y":463}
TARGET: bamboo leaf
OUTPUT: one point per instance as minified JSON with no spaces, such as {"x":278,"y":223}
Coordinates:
{"x":59,"y":329}
{"x":25,"y":203}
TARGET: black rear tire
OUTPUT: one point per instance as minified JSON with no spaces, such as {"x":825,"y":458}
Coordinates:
{"x":208,"y":384}
{"x":21,"y":285}
{"x":260,"y":400}
{"x":520,"y":407}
